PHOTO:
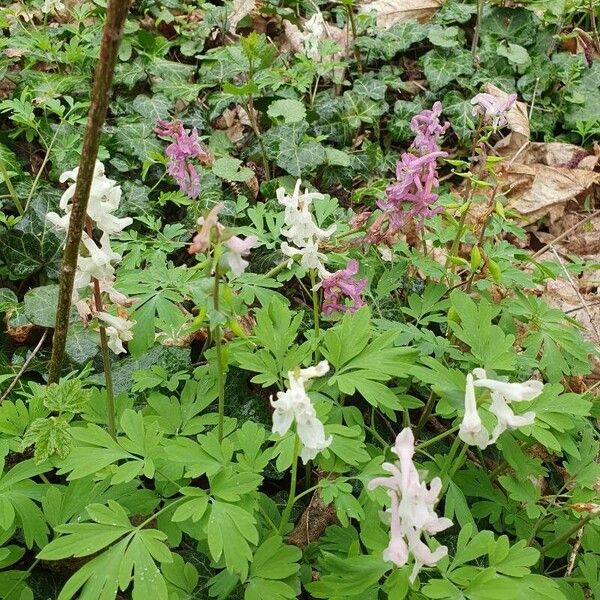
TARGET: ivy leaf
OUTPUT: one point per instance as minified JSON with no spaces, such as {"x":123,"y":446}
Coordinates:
{"x":40,"y":305}
{"x":299,"y":159}
{"x":292,"y":111}
{"x":516,"y":55}
{"x":152,"y":107}
{"x":460,"y":113}
{"x":136,"y":138}
{"x":441,"y":67}
{"x":231,"y":169}
{"x":33,"y":244}
{"x":444,"y":37}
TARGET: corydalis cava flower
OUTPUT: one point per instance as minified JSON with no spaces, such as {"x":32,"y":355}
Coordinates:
{"x":98,"y":264}
{"x":341,"y":285}
{"x":184,"y":146}
{"x":412,"y":508}
{"x":414,"y":193}
{"x":238,"y":248}
{"x":295,"y":405}
{"x":472,"y":431}
{"x":302,"y":232}
{"x":492,"y":109}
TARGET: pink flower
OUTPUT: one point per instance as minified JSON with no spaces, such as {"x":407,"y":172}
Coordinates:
{"x":340,"y":284}
{"x":412,"y":195}
{"x":201,"y":241}
{"x":428,"y":129}
{"x":493,"y":109}
{"x":184,"y":147}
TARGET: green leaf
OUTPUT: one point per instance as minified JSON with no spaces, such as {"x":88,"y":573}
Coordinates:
{"x":292,"y":111}
{"x":441,"y":67}
{"x":40,"y":305}
{"x":517,"y":55}
{"x":33,"y":244}
{"x":444,"y":37}
{"x":230,"y":169}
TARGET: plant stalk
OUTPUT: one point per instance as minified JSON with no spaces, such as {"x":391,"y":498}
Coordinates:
{"x":567,"y":534}
{"x":116,"y":14}
{"x":316,"y":313}
{"x":11,"y":190}
{"x":292,"y":497}
{"x":219,"y":351}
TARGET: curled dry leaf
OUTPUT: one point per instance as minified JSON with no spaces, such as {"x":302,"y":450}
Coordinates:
{"x":293,"y":38}
{"x":390,"y":12}
{"x":241,"y":9}
{"x":317,"y":517}
{"x":546,"y":177}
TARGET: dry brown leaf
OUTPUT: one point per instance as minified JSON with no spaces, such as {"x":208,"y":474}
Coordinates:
{"x":390,"y":12}
{"x":241,"y":9}
{"x":581,"y":42}
{"x":317,"y":517}
{"x":536,"y":190}
{"x":293,"y":39}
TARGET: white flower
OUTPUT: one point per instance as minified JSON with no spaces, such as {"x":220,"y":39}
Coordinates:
{"x":471,"y":430}
{"x":53,"y":6}
{"x":105,"y":197}
{"x":238,"y":248}
{"x":412,"y":508}
{"x":503,"y":393}
{"x":118,"y":331}
{"x":295,"y":404}
{"x":302,"y":232}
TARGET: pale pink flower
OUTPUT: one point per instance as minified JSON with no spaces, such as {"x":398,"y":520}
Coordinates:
{"x":412,"y":508}
{"x":238,"y":249}
{"x":492,"y":109}
{"x":202,"y":240}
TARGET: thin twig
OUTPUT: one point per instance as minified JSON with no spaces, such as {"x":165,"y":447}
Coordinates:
{"x":116,"y":14}
{"x":576,"y":289}
{"x":24,"y":367}
{"x":573,"y":555}
{"x":564,"y":234}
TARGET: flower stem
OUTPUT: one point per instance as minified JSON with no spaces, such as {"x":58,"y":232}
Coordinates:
{"x":449,"y":458}
{"x":437,"y":438}
{"x":110,"y":397}
{"x":219,"y":351}
{"x":292,"y":497}
{"x":277,"y":269}
{"x":11,"y":190}
{"x":475,"y":43}
{"x":459,"y":233}
{"x":316,"y":313}
{"x":116,"y":14}
{"x":427,"y":410}
{"x":563,"y":537}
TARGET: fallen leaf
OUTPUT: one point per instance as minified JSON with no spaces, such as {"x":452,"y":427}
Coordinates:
{"x":313,"y":522}
{"x":390,"y":12}
{"x":241,"y":9}
{"x":536,"y":190}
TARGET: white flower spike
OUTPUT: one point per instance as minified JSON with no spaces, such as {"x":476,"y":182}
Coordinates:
{"x":295,"y":405}
{"x":503,"y":393}
{"x":412,"y":508}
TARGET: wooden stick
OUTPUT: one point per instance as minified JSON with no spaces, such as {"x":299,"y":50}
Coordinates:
{"x":116,"y":14}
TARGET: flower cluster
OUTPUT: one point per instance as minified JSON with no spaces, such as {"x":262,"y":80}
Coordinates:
{"x":412,"y":508}
{"x":413,"y":194}
{"x":104,"y":200}
{"x":302,"y":231}
{"x":238,"y":248}
{"x":472,"y":430}
{"x":340,"y":284}
{"x":184,"y":146}
{"x":493,"y":110}
{"x":295,"y":405}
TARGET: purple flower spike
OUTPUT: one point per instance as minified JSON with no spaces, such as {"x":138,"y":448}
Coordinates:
{"x":428,"y":129}
{"x":342,"y":284}
{"x":184,"y":147}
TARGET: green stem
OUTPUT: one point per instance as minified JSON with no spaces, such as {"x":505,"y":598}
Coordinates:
{"x":277,"y":269}
{"x":449,"y":458}
{"x":475,"y":44}
{"x":11,"y":190}
{"x":459,"y":232}
{"x":427,"y":410}
{"x":355,"y":48}
{"x":374,"y":431}
{"x":437,"y":438}
{"x":316,"y":313}
{"x":219,"y":350}
{"x":292,"y":497}
{"x":563,"y":537}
